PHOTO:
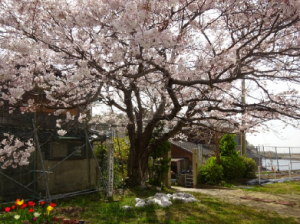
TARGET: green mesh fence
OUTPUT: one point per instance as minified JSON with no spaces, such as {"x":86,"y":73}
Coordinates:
{"x":68,"y":166}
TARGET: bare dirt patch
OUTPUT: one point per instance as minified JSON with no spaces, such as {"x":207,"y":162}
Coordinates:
{"x":234,"y":196}
{"x":70,"y":211}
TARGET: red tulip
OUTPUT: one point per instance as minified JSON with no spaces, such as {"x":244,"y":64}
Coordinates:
{"x":42,"y":202}
{"x":30,"y":210}
{"x":7,"y":209}
{"x":52,"y":205}
{"x":18,"y":202}
{"x":31,"y":203}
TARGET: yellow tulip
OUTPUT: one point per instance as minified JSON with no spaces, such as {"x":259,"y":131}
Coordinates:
{"x":49,"y":209}
{"x":19,"y":202}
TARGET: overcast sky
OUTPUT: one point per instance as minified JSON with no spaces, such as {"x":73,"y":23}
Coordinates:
{"x":277,"y":136}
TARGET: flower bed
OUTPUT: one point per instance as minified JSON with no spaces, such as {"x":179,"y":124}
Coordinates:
{"x":29,"y":212}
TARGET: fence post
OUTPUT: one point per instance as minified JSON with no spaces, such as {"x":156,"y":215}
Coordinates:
{"x":96,"y":160}
{"x":48,"y":197}
{"x":259,"y":162}
{"x":195,"y":166}
{"x":200,"y":147}
{"x":110,"y":166}
{"x":277,"y":159}
{"x":259,"y":175}
{"x":290,"y":158}
{"x":290,"y":170}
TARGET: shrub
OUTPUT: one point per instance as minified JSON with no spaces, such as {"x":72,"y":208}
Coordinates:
{"x":233,"y":167}
{"x":228,"y":145}
{"x":211,"y":173}
{"x":157,"y":172}
{"x":250,"y":167}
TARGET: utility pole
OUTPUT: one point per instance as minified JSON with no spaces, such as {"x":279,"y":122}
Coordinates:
{"x":110,"y":165}
{"x":243,"y":133}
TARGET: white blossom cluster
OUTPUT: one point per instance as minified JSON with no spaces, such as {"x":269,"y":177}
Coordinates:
{"x":180,"y":137}
{"x":68,"y":118}
{"x":14,"y":152}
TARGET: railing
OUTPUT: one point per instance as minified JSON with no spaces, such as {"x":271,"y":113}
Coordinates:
{"x":188,"y":180}
{"x":279,"y":153}
{"x":273,"y":168}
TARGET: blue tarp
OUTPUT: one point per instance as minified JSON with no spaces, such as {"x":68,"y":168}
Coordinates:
{"x":271,"y":181}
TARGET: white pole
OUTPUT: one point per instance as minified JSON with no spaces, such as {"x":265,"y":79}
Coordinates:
{"x":290,"y":170}
{"x":259,"y":175}
{"x":290,"y":158}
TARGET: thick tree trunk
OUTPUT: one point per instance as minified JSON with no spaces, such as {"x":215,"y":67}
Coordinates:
{"x":138,"y":167}
{"x":134,"y":175}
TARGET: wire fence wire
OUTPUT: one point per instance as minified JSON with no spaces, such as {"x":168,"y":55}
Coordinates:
{"x":64,"y":178}
{"x":60,"y":167}
{"x":18,"y":182}
{"x":276,"y":158}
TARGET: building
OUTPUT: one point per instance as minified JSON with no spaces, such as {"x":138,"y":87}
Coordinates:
{"x":182,"y":155}
{"x":59,"y":165}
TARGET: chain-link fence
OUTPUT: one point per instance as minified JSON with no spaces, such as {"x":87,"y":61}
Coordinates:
{"x":61,"y":166}
{"x":276,"y":158}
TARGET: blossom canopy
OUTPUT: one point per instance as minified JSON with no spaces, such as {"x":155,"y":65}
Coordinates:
{"x":180,"y":63}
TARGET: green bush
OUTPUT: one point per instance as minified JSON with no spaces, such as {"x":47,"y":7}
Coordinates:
{"x":233,"y":167}
{"x":228,"y":145}
{"x":156,"y":157}
{"x":211,"y":173}
{"x":250,"y":167}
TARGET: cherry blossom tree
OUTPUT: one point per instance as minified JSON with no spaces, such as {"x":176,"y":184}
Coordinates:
{"x":210,"y":132}
{"x":13,"y":151}
{"x":177,"y":62}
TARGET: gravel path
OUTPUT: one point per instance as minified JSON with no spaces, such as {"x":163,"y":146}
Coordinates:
{"x":233,"y":196}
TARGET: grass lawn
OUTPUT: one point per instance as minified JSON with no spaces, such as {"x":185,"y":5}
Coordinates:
{"x":290,"y":187}
{"x":93,"y":209}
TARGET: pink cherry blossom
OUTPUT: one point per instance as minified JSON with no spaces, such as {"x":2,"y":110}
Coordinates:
{"x":179,"y":63}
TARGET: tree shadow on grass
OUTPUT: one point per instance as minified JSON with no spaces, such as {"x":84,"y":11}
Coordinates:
{"x":208,"y":210}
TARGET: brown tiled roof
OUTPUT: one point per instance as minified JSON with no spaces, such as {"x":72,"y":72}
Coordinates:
{"x":251,"y":153}
{"x":189,"y":146}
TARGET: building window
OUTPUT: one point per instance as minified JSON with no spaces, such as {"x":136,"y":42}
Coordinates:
{"x":62,"y":149}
